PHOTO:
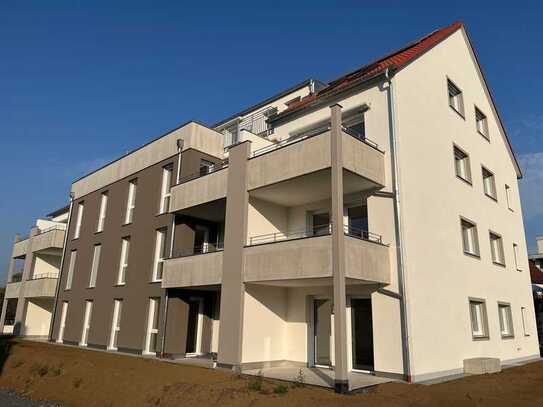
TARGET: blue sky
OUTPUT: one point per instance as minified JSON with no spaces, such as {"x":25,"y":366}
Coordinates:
{"x":83,"y":82}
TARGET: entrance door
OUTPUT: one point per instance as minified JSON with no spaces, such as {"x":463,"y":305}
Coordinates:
{"x":362,"y":333}
{"x":322,"y":312}
{"x":194,"y":326}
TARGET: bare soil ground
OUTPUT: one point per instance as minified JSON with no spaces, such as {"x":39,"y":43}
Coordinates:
{"x":77,"y":377}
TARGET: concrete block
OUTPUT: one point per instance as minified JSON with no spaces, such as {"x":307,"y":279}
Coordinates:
{"x":482,"y":365}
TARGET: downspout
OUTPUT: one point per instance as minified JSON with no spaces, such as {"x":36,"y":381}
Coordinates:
{"x":57,"y":290}
{"x":398,"y":228}
{"x":180,"y":143}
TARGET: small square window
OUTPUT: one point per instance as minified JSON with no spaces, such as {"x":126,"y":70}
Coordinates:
{"x":506,"y":320}
{"x":479,"y":323}
{"x":496,"y":247}
{"x":489,"y":183}
{"x":470,"y":239}
{"x":462,"y":165}
{"x":456,"y":101}
{"x":481,"y":123}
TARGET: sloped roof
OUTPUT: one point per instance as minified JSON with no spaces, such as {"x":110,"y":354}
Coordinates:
{"x":396,"y":60}
{"x":536,"y":275}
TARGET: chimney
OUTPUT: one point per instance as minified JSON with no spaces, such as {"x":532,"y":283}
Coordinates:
{"x":539,"y":240}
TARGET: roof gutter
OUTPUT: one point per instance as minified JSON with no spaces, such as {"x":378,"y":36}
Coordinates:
{"x":398,"y":227}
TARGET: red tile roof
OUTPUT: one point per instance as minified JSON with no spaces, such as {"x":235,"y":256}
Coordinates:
{"x":396,"y":60}
{"x":535,"y":274}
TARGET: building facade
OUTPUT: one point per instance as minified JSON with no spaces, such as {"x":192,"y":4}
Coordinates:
{"x":32,"y":278}
{"x":352,"y":225}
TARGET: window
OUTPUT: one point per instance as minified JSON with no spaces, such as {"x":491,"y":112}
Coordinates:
{"x":165,"y":194}
{"x":160,"y":254}
{"x":123,"y":263}
{"x":102,"y":214}
{"x":355,"y":125}
{"x":481,"y":123}
{"x":489,"y":183}
{"x":462,"y":165}
{"x":86,"y":323}
{"x":516,"y":256}
{"x":152,"y":327}
{"x":63,"y":314}
{"x":508,"y":197}
{"x":206,"y":166}
{"x":479,"y":323}
{"x":95,"y":264}
{"x":506,"y":320}
{"x":131,"y":202}
{"x":469,"y":237}
{"x":115,"y":324}
{"x":71,"y":267}
{"x":496,"y":247}
{"x":524,"y":321}
{"x":79,"y":219}
{"x":456,"y":100}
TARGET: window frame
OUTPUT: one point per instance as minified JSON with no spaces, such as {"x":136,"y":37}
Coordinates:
{"x":509,"y":320}
{"x":102,"y":212}
{"x":484,"y":133}
{"x":123,"y":260}
{"x":492,"y":177}
{"x":477,"y":252}
{"x":153,"y":314}
{"x":466,"y":165}
{"x":461,"y":109}
{"x":516,"y":254}
{"x":508,"y":197}
{"x":95,"y":265}
{"x":499,"y":238}
{"x":62,"y":325}
{"x":89,"y":304}
{"x":483,"y":323}
{"x":131,"y":201}
{"x":166,"y":188}
{"x":159,"y":255}
{"x":523,"y":316}
{"x":71,"y":270}
{"x":115,"y":324}
{"x":79,"y":219}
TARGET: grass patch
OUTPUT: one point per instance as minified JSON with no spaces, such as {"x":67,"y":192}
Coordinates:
{"x":256,"y":383}
{"x":280,"y":388}
{"x":39,"y":369}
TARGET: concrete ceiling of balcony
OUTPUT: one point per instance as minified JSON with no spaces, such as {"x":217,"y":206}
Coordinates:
{"x":310,"y":188}
{"x":214,"y":211}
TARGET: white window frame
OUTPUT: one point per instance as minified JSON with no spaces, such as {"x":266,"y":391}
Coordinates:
{"x":524,"y":321}
{"x":152,"y":316}
{"x":496,"y":248}
{"x":79,"y":219}
{"x":131,"y":201}
{"x":481,"y":123}
{"x":123,"y":261}
{"x":470,"y":237}
{"x":86,"y":323}
{"x":516,"y":255}
{"x":456,"y":102}
{"x":505,"y":316}
{"x":462,"y":167}
{"x":115,"y":324}
{"x":71,"y":270}
{"x":165,"y":194}
{"x":489,"y":183}
{"x":160,"y":248}
{"x":102,"y":213}
{"x":96,"y":254}
{"x":478,"y":318}
{"x":63,"y":316}
{"x":508,"y":197}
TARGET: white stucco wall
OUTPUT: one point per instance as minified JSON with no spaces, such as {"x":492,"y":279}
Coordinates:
{"x":37,"y":317}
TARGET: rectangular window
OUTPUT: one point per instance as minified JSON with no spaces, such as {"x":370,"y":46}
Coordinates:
{"x":489,"y":183}
{"x":206,"y":167}
{"x":496,"y":247}
{"x":131,"y":201}
{"x":524,"y":321}
{"x":165,"y":194}
{"x":456,"y":100}
{"x":79,"y":220}
{"x":102,"y":214}
{"x":470,"y":238}
{"x":508,"y":197}
{"x":506,"y":320}
{"x":516,"y":256}
{"x":462,"y":165}
{"x":479,"y":323}
{"x":115,"y":324}
{"x":86,"y":323}
{"x":95,"y":264}
{"x":160,"y":254}
{"x":151,"y":336}
{"x":63,"y":315}
{"x":481,"y":123}
{"x":123,"y":263}
{"x":71,"y":268}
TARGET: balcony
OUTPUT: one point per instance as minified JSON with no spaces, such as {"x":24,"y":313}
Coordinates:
{"x":199,"y":266}
{"x":41,"y":286}
{"x":13,"y":289}
{"x":20,"y":248}
{"x":306,"y":258}
{"x":50,"y":238}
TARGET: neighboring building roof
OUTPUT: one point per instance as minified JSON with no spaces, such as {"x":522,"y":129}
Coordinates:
{"x":536,"y":274}
{"x":58,"y":212}
{"x":396,"y":60}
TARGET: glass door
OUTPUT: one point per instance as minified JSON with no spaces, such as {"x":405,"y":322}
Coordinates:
{"x":362,"y":334}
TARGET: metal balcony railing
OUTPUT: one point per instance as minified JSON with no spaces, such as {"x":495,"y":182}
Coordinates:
{"x":362,"y":234}
{"x":201,"y":249}
{"x":203,"y":172}
{"x":41,"y":276}
{"x":49,"y":229}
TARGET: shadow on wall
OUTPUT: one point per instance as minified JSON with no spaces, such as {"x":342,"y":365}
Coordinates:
{"x":5,"y":347}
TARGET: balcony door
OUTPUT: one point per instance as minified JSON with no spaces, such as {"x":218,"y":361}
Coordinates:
{"x":362,"y":334}
{"x":201,"y":239}
{"x":320,"y":223}
{"x":322,"y":332}
{"x":194,"y":326}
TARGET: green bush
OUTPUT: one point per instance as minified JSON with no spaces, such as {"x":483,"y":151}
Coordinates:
{"x":280,"y":389}
{"x":255,"y":384}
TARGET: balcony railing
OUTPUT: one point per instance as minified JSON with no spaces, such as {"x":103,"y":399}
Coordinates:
{"x":49,"y":229}
{"x":255,"y":123}
{"x":203,"y":172}
{"x":44,"y":275}
{"x":362,"y":234}
{"x":201,"y":249}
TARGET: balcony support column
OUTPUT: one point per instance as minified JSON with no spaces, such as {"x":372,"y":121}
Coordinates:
{"x":235,"y":238}
{"x":11,"y":270}
{"x":338,"y":254}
